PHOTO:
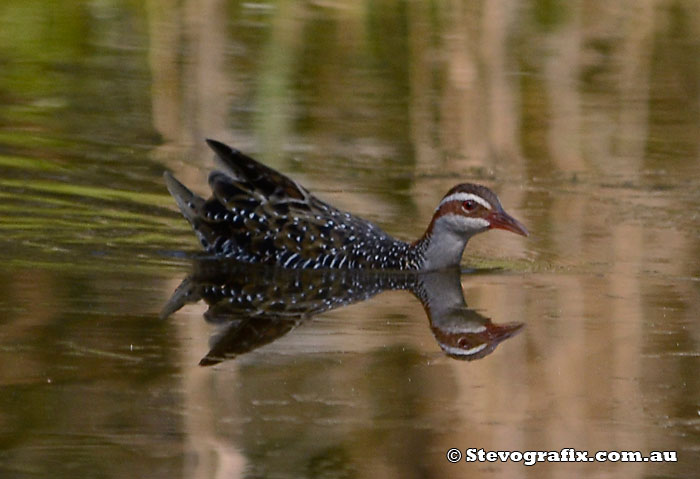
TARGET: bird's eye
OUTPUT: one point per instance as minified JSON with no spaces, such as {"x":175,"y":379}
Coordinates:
{"x":469,"y":205}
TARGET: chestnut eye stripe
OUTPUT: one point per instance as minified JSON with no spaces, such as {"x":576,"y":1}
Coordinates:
{"x":465,"y":197}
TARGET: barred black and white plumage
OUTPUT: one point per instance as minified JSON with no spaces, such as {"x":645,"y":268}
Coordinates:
{"x":258,"y":215}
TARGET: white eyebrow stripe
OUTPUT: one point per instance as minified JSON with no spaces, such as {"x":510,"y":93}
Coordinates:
{"x":465,"y":197}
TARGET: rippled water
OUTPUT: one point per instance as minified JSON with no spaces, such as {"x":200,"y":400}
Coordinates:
{"x":583,"y":117}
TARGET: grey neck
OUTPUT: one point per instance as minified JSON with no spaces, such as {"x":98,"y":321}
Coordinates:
{"x":442,"y":248}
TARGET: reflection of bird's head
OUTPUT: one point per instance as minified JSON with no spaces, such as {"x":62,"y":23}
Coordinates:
{"x":474,"y":339}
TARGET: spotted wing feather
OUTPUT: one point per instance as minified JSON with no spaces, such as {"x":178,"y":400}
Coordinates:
{"x":262,"y":179}
{"x":273,"y":219}
{"x":259,"y":215}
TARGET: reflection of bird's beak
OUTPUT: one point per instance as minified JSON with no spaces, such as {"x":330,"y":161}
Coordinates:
{"x":502,"y":220}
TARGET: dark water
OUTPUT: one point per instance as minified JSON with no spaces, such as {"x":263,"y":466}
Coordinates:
{"x":583,"y":116}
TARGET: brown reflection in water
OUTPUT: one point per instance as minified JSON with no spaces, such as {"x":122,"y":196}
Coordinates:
{"x":583,"y":113}
{"x":254,"y":305}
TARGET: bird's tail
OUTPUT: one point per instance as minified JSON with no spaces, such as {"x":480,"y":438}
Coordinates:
{"x":193,"y":207}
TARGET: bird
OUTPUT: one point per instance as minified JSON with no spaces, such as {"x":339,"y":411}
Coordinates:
{"x":256,"y":214}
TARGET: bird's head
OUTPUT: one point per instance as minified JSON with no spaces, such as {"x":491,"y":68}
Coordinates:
{"x":468,"y":209}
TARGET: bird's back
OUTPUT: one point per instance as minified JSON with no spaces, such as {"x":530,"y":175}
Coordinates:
{"x":258,"y":215}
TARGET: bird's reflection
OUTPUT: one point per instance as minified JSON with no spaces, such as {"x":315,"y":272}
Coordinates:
{"x":255,"y":305}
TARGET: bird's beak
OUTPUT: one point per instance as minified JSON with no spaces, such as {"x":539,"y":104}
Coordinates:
{"x":502,"y":220}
